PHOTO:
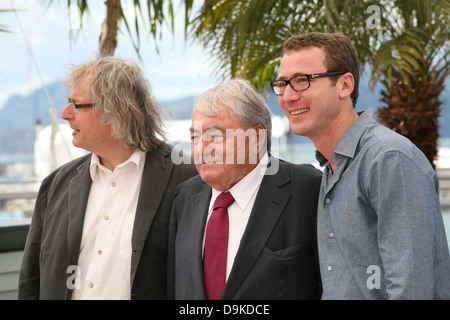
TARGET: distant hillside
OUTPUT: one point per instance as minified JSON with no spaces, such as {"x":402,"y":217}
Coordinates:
{"x":20,"y":113}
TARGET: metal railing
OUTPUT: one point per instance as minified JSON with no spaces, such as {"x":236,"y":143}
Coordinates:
{"x":28,"y":189}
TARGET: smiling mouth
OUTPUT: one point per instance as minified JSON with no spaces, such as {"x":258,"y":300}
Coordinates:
{"x":296,"y":112}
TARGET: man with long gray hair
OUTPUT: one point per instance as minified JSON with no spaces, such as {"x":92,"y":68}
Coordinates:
{"x":100,"y":223}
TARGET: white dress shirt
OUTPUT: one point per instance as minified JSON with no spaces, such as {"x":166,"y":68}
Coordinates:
{"x":244,"y":193}
{"x":105,"y":254}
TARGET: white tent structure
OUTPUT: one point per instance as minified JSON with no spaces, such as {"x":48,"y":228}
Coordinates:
{"x":52,"y":148}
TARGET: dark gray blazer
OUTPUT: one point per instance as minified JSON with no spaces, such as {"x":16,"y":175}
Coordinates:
{"x":277,"y":257}
{"x":53,"y":242}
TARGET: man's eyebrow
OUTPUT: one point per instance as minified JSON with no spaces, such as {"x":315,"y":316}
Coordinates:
{"x":294,"y":75}
{"x":193,"y":129}
{"x":215,"y":127}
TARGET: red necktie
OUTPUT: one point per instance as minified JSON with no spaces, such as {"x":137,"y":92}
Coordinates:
{"x":216,"y":246}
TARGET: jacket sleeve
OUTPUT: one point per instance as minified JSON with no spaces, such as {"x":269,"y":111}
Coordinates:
{"x":171,"y":246}
{"x":29,"y":277}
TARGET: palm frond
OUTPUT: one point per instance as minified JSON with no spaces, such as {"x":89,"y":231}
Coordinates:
{"x":155,"y":12}
{"x":3,"y":27}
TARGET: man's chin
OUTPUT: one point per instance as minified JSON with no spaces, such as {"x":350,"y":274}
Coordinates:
{"x":210,"y":173}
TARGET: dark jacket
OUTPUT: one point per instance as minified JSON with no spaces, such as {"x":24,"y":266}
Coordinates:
{"x":277,"y":256}
{"x":53,"y":242}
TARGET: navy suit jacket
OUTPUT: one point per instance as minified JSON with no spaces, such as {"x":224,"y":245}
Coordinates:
{"x":277,"y":256}
{"x":53,"y":242}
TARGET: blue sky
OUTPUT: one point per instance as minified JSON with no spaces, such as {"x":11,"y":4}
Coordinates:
{"x":180,"y":70}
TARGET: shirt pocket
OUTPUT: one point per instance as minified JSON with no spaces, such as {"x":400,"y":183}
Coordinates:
{"x":287,"y":273}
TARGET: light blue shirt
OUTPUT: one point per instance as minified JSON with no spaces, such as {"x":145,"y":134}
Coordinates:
{"x":380,"y":229}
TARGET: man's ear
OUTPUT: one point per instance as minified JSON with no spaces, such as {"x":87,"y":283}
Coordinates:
{"x":346,"y":84}
{"x":261,"y":139}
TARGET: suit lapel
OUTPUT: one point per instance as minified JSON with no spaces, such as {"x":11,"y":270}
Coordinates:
{"x":78,"y":194}
{"x":268,"y":207}
{"x":199,"y":205}
{"x":155,"y":178}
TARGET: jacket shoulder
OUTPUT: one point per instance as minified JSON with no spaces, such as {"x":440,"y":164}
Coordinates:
{"x":183,"y":167}
{"x":68,"y":169}
{"x":191,"y":186}
{"x":303,"y":171}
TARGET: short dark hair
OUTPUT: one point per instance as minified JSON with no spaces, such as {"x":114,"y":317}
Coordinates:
{"x":340,"y":54}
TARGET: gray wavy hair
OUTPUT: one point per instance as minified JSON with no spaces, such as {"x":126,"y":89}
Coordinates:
{"x":239,"y":97}
{"x":122,"y":94}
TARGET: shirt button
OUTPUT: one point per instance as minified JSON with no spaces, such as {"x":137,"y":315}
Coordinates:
{"x":106,"y":217}
{"x":328,"y":200}
{"x":99,"y":252}
{"x":113,"y":184}
{"x":90,"y":285}
{"x":331,"y":234}
{"x":329,"y":268}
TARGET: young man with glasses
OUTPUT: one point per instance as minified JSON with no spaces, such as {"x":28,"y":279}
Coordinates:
{"x":380,"y":228}
{"x":100,"y":225}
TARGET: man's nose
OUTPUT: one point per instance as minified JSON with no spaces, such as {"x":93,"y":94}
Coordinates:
{"x":67,"y":113}
{"x":290,"y":94}
{"x":197,"y":152}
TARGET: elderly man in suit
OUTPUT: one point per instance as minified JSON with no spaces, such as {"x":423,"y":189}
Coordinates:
{"x":261,"y":244}
{"x":100,"y":224}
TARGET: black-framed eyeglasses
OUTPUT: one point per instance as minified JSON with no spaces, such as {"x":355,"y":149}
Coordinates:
{"x":300,"y":82}
{"x":79,"y":106}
